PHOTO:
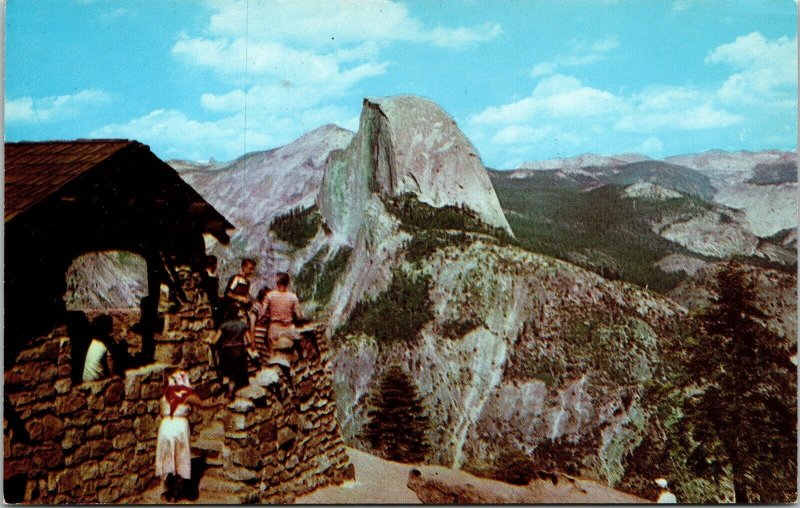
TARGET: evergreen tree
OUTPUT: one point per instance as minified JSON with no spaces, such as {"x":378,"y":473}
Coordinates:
{"x":745,"y":417}
{"x":398,"y":422}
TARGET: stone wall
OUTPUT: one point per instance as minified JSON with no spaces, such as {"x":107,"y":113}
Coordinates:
{"x":95,"y":442}
{"x":282,"y":442}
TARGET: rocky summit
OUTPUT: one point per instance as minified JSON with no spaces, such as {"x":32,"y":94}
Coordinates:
{"x":406,"y":145}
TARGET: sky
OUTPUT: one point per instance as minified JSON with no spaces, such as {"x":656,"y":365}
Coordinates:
{"x":524,"y":79}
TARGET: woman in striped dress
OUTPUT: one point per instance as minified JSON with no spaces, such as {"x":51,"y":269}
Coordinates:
{"x":259,"y":325}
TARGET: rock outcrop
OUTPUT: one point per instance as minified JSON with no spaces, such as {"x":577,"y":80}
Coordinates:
{"x":493,"y":325}
{"x":253,"y":190}
{"x":406,"y":145}
{"x":571,"y":164}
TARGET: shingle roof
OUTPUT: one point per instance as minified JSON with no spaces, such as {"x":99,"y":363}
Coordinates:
{"x":35,"y":170}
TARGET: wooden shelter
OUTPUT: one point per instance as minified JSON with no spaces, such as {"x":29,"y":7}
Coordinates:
{"x":67,"y":198}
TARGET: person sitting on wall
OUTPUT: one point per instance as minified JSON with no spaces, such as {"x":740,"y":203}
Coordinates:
{"x":233,"y":339}
{"x":238,"y":289}
{"x":259,"y":325}
{"x":173,"y":450}
{"x":98,"y":363}
{"x":79,"y":331}
{"x":283,"y":307}
{"x":210,"y":284}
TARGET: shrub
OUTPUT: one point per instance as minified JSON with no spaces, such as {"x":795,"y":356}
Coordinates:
{"x":298,"y":226}
{"x":333,"y":269}
{"x":416,"y":215}
{"x":395,"y":315}
{"x":306,"y":280}
{"x":457,"y":328}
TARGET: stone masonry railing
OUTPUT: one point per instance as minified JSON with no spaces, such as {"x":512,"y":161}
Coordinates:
{"x":95,"y":442}
{"x":283,"y":441}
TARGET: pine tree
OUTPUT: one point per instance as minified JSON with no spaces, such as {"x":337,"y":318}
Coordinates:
{"x":745,"y":418}
{"x":398,"y":422}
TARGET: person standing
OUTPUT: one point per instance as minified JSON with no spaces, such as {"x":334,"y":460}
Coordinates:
{"x":210,"y":284}
{"x":173,"y":449}
{"x":233,"y":339}
{"x":238,"y":289}
{"x":665,"y":496}
{"x":259,"y":325}
{"x":98,"y":363}
{"x":283,"y":307}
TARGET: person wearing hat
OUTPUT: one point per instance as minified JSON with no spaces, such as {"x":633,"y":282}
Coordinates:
{"x":173,"y":451}
{"x":665,"y":496}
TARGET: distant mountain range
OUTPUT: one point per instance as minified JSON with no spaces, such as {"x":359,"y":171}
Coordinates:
{"x":763,"y":185}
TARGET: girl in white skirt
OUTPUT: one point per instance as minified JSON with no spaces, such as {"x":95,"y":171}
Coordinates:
{"x":173,"y":451}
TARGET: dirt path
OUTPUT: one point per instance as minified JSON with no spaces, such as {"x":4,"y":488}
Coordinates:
{"x":380,"y":481}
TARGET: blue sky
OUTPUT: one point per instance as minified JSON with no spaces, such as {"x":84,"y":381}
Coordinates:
{"x":524,"y":79}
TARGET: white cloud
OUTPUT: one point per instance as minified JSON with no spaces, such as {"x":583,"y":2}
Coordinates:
{"x":54,"y":108}
{"x":287,"y":62}
{"x":567,"y":116}
{"x":674,"y":108}
{"x":767,"y":70}
{"x":681,"y":5}
{"x":562,"y":115}
{"x":181,"y":135}
{"x":518,"y":134}
{"x":543,"y":69}
{"x":461,"y":37}
{"x":315,"y":23}
{"x":173,"y":134}
{"x":116,"y":13}
{"x":579,"y":54}
{"x":275,"y":60}
{"x":651,"y":146}
{"x":556,"y":96}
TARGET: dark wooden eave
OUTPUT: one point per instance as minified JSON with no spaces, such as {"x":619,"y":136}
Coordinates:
{"x":36,"y":171}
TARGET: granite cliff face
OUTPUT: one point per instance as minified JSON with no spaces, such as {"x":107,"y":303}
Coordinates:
{"x":251,"y":191}
{"x":406,"y":145}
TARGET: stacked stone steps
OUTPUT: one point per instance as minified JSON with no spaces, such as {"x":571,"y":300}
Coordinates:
{"x":209,"y":442}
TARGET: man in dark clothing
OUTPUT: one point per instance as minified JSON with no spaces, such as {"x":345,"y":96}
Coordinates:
{"x":238,"y":289}
{"x":233,"y":340}
{"x":210,"y":284}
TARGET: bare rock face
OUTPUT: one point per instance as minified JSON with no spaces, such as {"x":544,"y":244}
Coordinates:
{"x":251,"y":191}
{"x":769,"y":208}
{"x":673,"y":263}
{"x":650,"y":191}
{"x":406,"y":144}
{"x":716,"y":233}
{"x":106,"y":280}
{"x":504,"y":362}
{"x":572,"y":164}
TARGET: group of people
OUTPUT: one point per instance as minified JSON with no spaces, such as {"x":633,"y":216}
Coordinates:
{"x":262,"y":329}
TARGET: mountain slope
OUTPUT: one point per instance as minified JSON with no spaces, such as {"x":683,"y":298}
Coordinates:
{"x":253,"y":190}
{"x":512,"y":352}
{"x":582,"y":161}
